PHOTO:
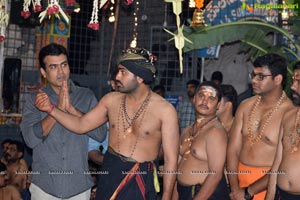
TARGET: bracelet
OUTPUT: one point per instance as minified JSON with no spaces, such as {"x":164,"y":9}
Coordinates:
{"x":51,"y":109}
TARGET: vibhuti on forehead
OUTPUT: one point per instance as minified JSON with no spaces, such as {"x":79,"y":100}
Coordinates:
{"x":208,"y":91}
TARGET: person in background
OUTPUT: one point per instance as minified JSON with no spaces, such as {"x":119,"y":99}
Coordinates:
{"x":217,"y":77}
{"x":284,"y":175}
{"x":201,"y":164}
{"x":160,"y":90}
{"x":136,"y":131}
{"x":227,"y":106}
{"x":185,"y":108}
{"x":7,"y":192}
{"x":254,"y":134}
{"x":59,"y":156}
{"x":17,"y":171}
{"x":4,"y":148}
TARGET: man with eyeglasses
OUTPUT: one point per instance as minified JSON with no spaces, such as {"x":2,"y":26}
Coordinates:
{"x":284,"y":175}
{"x":254,"y":134}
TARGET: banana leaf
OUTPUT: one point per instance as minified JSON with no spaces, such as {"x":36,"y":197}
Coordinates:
{"x":229,"y":32}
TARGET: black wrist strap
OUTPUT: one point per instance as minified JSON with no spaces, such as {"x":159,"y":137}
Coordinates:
{"x":247,"y":195}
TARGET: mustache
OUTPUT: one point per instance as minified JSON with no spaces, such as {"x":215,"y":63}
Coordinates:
{"x":203,"y":105}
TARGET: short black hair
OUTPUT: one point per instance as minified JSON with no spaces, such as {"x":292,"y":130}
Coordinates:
{"x":193,"y":82}
{"x":296,"y":65}
{"x":230,"y":94}
{"x":214,"y":85}
{"x":52,"y":49}
{"x":217,"y":75}
{"x":275,"y":63}
{"x":159,"y":87}
{"x":6,"y":141}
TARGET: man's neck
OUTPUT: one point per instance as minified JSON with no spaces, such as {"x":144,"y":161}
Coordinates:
{"x":138,"y":95}
{"x":272,"y":97}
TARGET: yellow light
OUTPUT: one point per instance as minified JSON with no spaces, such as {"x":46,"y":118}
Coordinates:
{"x":111,"y":18}
{"x":133,"y":43}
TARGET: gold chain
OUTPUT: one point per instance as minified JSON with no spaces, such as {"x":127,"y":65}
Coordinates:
{"x":194,"y":132}
{"x":254,"y":139}
{"x":128,"y":122}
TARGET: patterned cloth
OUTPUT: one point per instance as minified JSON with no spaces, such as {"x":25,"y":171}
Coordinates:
{"x":186,"y":113}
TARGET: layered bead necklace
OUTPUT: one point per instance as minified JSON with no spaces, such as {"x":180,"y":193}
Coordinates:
{"x":127,"y":121}
{"x":261,"y":129}
{"x":294,"y":136}
{"x":194,"y":132}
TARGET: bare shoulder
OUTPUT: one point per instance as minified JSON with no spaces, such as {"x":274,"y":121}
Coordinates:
{"x":162,"y":105}
{"x":288,"y":104}
{"x":248,"y":102}
{"x":217,"y":131}
{"x":112,"y":98}
{"x":290,"y":114}
{"x":12,"y":192}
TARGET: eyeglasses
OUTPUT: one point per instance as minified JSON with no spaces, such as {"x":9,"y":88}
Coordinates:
{"x":259,"y":76}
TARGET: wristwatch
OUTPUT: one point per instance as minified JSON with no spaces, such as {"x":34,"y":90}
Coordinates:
{"x":247,"y":196}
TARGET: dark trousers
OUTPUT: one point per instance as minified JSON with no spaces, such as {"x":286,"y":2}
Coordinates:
{"x":188,"y":192}
{"x":283,"y":195}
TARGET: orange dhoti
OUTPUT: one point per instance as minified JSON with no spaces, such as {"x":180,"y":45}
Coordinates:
{"x":247,"y":175}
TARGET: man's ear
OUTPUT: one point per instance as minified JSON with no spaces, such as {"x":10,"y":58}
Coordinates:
{"x":20,"y":155}
{"x":139,"y":79}
{"x":278,"y":79}
{"x":43,"y":72}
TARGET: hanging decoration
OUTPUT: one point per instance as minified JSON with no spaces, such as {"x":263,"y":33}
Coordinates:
{"x":99,"y":4}
{"x":198,"y":15}
{"x":3,"y":19}
{"x":179,"y":37}
{"x":133,"y":43}
{"x":94,"y":22}
{"x":53,"y":9}
{"x":25,"y":13}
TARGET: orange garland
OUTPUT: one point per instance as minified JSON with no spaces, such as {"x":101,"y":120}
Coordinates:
{"x":199,"y":3}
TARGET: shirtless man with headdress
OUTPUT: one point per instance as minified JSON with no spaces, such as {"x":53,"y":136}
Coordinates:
{"x":254,"y":134}
{"x":139,"y":121}
{"x":201,"y":175}
{"x":284,"y":176}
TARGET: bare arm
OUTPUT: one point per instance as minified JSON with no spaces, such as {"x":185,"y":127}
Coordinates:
{"x":216,"y":160}
{"x":273,"y":176}
{"x":96,"y":156}
{"x":170,"y":143}
{"x":233,"y":150}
